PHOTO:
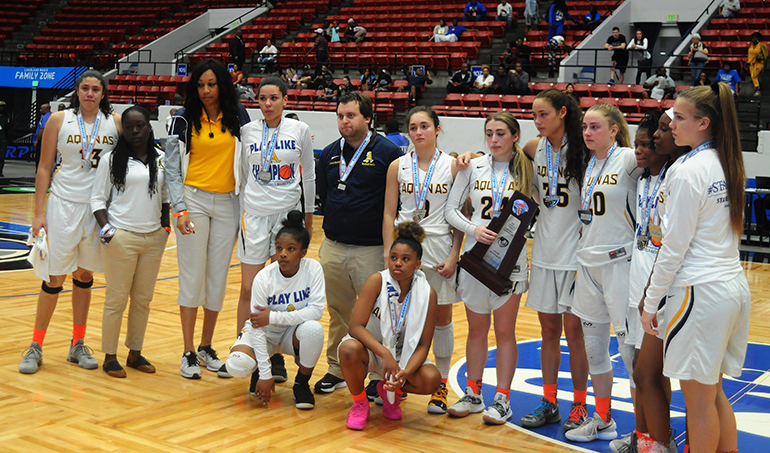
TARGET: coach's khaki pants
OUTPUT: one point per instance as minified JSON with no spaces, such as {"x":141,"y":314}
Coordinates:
{"x":346,"y":268}
{"x":131,"y":265}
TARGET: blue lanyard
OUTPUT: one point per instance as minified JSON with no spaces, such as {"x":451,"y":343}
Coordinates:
{"x":267,"y":155}
{"x":346,"y":169}
{"x":586,"y":200}
{"x":397,"y":324}
{"x":553,"y":170}
{"x":421,"y":191}
{"x":694,"y":151}
{"x":650,"y":202}
{"x":89,"y":147}
{"x":497,"y":191}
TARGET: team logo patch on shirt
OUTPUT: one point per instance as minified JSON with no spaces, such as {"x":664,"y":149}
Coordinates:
{"x":749,"y":395}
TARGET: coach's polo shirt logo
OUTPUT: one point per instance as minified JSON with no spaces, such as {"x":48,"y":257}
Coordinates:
{"x":369,"y":161}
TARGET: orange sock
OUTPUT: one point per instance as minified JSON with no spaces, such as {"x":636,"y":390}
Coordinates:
{"x":38,"y":336}
{"x":360,"y":397}
{"x":78,"y":333}
{"x":505,"y":392}
{"x":579,"y":396}
{"x":734,"y":451}
{"x":475,"y":386}
{"x":603,"y":408}
{"x":443,"y":380}
{"x":549,"y":392}
{"x":686,"y":448}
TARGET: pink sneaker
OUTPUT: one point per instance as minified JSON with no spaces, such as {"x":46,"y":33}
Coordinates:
{"x":390,"y":411}
{"x":358,"y":415}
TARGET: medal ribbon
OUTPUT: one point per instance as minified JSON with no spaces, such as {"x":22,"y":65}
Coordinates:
{"x":694,"y":151}
{"x":88,"y":148}
{"x":397,"y":324}
{"x":649,"y":202}
{"x":346,"y":169}
{"x":421,"y":191}
{"x":553,"y":170}
{"x":587,"y":192}
{"x":267,"y":155}
{"x":497,"y":191}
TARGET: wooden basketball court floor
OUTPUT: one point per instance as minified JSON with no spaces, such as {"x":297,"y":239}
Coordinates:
{"x":64,"y":408}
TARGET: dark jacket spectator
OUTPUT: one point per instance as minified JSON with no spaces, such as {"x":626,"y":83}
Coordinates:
{"x":238,"y":49}
{"x":519,"y":81}
{"x":461,"y":81}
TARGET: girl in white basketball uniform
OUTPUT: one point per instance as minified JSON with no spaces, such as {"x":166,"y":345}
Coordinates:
{"x":490,"y":181}
{"x":559,"y":162}
{"x":698,"y":270}
{"x":390,"y":331}
{"x":277,"y":171}
{"x":81,"y":135}
{"x":608,"y":195}
{"x":419,"y":182}
{"x":288,"y":299}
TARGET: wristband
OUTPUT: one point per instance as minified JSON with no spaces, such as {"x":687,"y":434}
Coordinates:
{"x":180,"y":214}
{"x":106,"y":232}
{"x":168,"y":229}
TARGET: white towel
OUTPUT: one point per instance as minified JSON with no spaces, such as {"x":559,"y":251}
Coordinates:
{"x":415,"y":319}
{"x":38,"y":256}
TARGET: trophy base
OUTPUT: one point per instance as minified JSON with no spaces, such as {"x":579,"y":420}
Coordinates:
{"x":485,"y":274}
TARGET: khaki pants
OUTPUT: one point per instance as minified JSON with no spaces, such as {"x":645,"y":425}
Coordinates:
{"x":131,"y":265}
{"x":346,"y":268}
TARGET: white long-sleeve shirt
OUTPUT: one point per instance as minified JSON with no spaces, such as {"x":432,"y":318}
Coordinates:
{"x":699,"y":244}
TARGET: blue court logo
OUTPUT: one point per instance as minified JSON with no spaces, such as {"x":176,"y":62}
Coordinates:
{"x":749,"y":395}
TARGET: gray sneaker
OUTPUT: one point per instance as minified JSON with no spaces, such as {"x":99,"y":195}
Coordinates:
{"x":190,"y":368}
{"x":207,"y":357}
{"x":81,"y":354}
{"x":627,"y":444}
{"x":592,"y":429}
{"x":547,"y":412}
{"x":470,"y":403}
{"x":500,"y":410}
{"x":33,"y":358}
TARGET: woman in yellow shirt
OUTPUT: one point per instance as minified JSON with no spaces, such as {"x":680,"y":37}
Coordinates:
{"x":202,"y":173}
{"x":758,"y":55}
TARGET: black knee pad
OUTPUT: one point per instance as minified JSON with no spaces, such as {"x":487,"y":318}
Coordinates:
{"x":49,"y":290}
{"x":84,"y":285}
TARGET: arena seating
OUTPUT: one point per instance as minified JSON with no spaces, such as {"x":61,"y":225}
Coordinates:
{"x":14,"y":15}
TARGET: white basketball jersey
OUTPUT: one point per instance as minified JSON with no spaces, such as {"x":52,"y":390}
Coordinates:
{"x":71,"y":180}
{"x":434,"y":222}
{"x":643,"y":260}
{"x":610,"y":235}
{"x":293,"y":148}
{"x":558,"y":228}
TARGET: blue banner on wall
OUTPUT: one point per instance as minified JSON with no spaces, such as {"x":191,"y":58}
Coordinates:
{"x":18,"y":77}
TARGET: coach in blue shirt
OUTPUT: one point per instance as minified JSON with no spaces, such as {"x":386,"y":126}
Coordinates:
{"x":351,"y":185}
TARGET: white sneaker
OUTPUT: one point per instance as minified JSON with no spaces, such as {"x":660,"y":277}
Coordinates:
{"x":592,"y":429}
{"x":207,"y":357}
{"x":626,"y":444}
{"x":500,"y":410}
{"x":470,"y":403}
{"x":33,"y":358}
{"x":82,"y":355}
{"x":190,"y":368}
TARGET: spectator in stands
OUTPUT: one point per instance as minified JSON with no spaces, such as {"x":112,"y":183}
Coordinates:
{"x":384,"y":81}
{"x":393,"y":133}
{"x":302,"y":78}
{"x":557,"y":15}
{"x":238,"y":49}
{"x":347,"y":86}
{"x":321,"y":48}
{"x":236,"y":74}
{"x":617,"y":43}
{"x":758,"y":56}
{"x":474,"y":11}
{"x":461,"y":81}
{"x":170,"y":117}
{"x":334,"y":31}
{"x":518,"y":81}
{"x":368,"y":79}
{"x":45,"y":113}
{"x":319,"y":80}
{"x":441,"y":29}
{"x":415,"y":82}
{"x":555,"y":47}
{"x":703,"y":80}
{"x":661,"y":85}
{"x":502,"y":79}
{"x":484,"y":81}
{"x":728,"y":9}
{"x":531,"y":15}
{"x":592,"y":19}
{"x":286,"y":78}
{"x":698,"y":56}
{"x":505,"y":13}
{"x":354,"y":32}
{"x":331,"y":91}
{"x":729,"y":76}
{"x":570,"y":90}
{"x":267,"y":57}
{"x":640,"y":46}
{"x":454,"y":33}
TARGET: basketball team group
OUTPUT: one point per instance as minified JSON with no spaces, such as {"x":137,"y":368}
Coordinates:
{"x":635,"y":233}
